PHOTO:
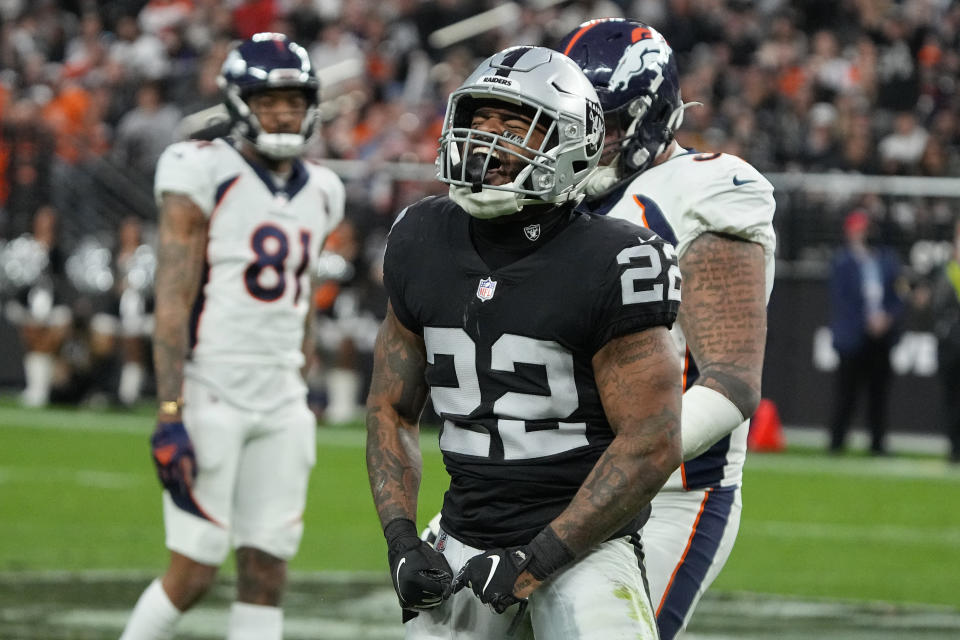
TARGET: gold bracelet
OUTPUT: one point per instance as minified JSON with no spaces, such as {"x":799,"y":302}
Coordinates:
{"x":171,"y":407}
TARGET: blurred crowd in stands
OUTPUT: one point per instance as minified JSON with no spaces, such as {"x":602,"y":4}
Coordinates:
{"x":91,"y":91}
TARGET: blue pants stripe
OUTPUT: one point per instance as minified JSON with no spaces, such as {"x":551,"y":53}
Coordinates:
{"x":696,"y":562}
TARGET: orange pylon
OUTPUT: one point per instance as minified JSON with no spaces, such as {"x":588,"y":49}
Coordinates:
{"x":766,"y":431}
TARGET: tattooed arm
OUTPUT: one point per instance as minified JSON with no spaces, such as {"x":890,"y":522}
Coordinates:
{"x":182,"y":243}
{"x":724,"y":319}
{"x":308,"y":345}
{"x":398,"y":392}
{"x":639,"y":380}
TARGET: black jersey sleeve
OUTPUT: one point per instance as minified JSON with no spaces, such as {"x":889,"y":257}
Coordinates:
{"x":393,"y":270}
{"x":640,"y":286}
{"x":409,"y":237}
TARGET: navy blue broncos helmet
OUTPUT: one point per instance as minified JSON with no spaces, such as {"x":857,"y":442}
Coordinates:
{"x":634,"y":72}
{"x":264,"y":62}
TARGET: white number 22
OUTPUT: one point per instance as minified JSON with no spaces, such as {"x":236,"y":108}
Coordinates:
{"x":652,"y":292}
{"x":516,"y":407}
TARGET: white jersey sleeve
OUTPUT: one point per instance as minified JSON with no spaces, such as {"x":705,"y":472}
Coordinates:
{"x":695,"y":193}
{"x":185,"y":168}
{"x":728,"y":196}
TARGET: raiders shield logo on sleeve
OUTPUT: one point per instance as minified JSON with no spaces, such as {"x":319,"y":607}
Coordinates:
{"x":486,"y":289}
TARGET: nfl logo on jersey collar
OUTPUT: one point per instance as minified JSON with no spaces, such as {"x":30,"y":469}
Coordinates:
{"x":532,"y":232}
{"x":486,"y":289}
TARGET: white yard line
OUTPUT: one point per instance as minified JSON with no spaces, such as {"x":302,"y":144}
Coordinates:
{"x":922,"y":536}
{"x":81,"y":477}
{"x":885,"y":467}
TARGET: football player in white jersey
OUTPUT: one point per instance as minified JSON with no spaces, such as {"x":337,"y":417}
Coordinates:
{"x":542,"y":335}
{"x":242,"y":220}
{"x":718,"y":212}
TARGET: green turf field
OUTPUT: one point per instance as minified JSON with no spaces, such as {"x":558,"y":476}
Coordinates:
{"x":77,"y":493}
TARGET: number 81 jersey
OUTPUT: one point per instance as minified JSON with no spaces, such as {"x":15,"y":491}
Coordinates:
{"x":262,"y":243}
{"x":509,"y":355}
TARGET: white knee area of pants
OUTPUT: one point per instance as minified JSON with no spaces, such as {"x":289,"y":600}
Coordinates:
{"x":154,"y":616}
{"x":601,"y":596}
{"x":194,"y":537}
{"x":254,"y":622}
{"x":282,"y":541}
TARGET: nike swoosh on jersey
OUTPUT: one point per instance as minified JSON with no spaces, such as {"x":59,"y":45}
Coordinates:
{"x":737,"y":182}
{"x":495,"y":561}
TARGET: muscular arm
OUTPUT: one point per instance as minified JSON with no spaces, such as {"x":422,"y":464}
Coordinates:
{"x":398,"y":392}
{"x":638,"y":377}
{"x":182,"y":243}
{"x":724,"y":319}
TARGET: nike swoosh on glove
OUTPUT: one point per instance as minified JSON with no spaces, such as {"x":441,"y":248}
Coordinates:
{"x":493,"y":574}
{"x":421,"y":576}
{"x":174,"y":457}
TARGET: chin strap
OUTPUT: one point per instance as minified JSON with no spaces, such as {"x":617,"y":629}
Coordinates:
{"x":280,"y":146}
{"x":486,"y":203}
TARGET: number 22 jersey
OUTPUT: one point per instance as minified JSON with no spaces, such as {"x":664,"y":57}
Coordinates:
{"x":509,"y":355}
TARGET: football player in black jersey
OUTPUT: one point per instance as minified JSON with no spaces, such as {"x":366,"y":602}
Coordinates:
{"x":542,"y":336}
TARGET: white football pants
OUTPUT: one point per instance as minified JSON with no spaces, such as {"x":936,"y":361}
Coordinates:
{"x":602,"y":596}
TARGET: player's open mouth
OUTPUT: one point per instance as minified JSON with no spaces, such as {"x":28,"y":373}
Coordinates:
{"x":474,"y":167}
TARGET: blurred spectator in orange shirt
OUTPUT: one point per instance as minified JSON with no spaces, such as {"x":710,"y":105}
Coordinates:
{"x":73,"y":119}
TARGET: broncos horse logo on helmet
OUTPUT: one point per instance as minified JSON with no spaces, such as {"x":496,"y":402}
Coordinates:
{"x":265,"y":62}
{"x":635,"y":74}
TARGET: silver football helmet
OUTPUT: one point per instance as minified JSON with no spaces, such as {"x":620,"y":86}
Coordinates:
{"x":552,"y":91}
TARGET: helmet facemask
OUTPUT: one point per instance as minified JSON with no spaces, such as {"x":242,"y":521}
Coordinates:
{"x":475,"y":152}
{"x":651,"y":124}
{"x":546,"y":159}
{"x":278,"y":146}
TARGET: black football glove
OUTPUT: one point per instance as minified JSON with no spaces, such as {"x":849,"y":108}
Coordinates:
{"x":174,"y":457}
{"x":493,"y":574}
{"x":421,"y":575}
